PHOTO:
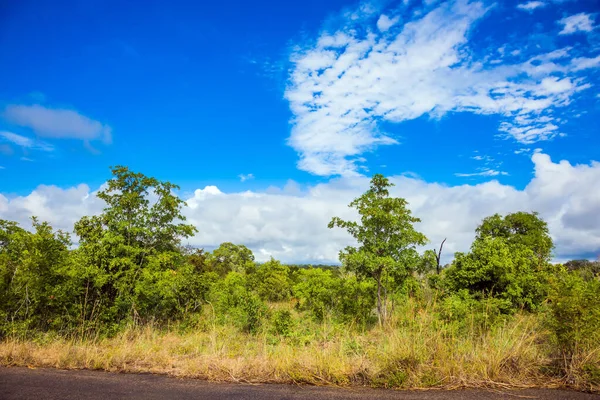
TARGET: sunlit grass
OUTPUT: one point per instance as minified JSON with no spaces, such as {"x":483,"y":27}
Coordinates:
{"x":415,"y":350}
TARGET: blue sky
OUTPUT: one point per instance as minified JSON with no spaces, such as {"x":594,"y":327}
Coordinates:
{"x":282,"y":97}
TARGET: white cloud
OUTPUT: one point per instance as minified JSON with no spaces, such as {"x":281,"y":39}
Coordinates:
{"x":245,"y":177}
{"x":291,"y":224}
{"x":581,"y":63}
{"x":483,"y":172}
{"x":384,"y":22}
{"x":58,"y":123}
{"x":25,"y":142}
{"x":346,"y":83}
{"x":581,"y":22}
{"x":531,"y":5}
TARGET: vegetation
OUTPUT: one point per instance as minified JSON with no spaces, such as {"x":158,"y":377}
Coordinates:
{"x":129,"y":296}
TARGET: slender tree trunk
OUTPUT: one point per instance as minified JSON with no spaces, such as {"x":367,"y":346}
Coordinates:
{"x":384,"y":305}
{"x":379,"y":316}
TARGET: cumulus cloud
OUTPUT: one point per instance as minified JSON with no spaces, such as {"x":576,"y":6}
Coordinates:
{"x":344,"y":84}
{"x":531,"y":5}
{"x":291,"y":224}
{"x":25,"y":142}
{"x":581,"y":22}
{"x":58,"y":123}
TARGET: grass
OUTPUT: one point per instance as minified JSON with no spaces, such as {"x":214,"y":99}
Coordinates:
{"x":415,"y":350}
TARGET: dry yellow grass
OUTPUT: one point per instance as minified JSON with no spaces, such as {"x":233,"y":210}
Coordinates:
{"x":413,"y":351}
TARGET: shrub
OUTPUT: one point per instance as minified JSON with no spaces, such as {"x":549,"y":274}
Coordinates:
{"x":574,"y":313}
{"x":234,"y":302}
{"x":282,"y":323}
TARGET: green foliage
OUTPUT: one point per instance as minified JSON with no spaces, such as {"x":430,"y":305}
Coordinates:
{"x":345,"y":299}
{"x":315,"y":292}
{"x":234,"y":302}
{"x":272,"y":281}
{"x":283,"y":323}
{"x":230,"y":257}
{"x":130,"y":254}
{"x":508,"y":261}
{"x":574,"y":313}
{"x":471,"y":315}
{"x":31,"y":276}
{"x":587,"y":269}
{"x":387,"y":240}
{"x":520,"y":229}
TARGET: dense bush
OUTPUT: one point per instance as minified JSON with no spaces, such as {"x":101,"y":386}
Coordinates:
{"x":574,"y":313}
{"x":508,"y":260}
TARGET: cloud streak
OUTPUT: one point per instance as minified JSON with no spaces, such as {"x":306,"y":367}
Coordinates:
{"x":25,"y":142}
{"x":58,"y":123}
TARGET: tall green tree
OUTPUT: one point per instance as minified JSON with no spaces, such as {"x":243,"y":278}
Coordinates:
{"x":386,"y":239}
{"x":128,"y":249}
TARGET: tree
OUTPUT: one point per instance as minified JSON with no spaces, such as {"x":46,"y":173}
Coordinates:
{"x":231,"y":257}
{"x":520,"y":228}
{"x":387,"y":240}
{"x":136,"y":239}
{"x":509,"y":259}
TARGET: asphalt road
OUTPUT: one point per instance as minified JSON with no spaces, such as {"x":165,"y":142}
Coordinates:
{"x":43,"y":384}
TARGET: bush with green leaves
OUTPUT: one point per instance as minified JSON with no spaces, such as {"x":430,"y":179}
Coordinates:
{"x":282,"y":322}
{"x":234,"y":302}
{"x":347,"y":298}
{"x":473,"y":315}
{"x":272,"y":281}
{"x":508,"y":260}
{"x":574,"y":313}
{"x":33,"y":293}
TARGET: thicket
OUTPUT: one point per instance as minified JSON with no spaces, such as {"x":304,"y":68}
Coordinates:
{"x":129,"y":267}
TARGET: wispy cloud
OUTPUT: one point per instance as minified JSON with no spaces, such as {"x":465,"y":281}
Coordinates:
{"x":581,"y":63}
{"x":245,"y":177}
{"x":482,"y":172}
{"x":531,"y":5}
{"x":25,"y":142}
{"x":344,"y":84}
{"x":58,"y":123}
{"x":581,"y":22}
